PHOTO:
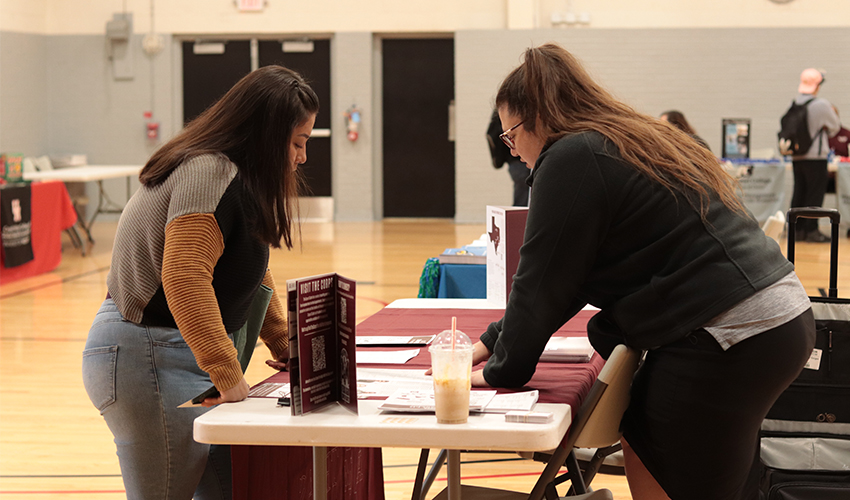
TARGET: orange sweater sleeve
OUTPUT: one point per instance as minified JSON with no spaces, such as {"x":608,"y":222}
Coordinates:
{"x":275,"y":332}
{"x":193,"y":245}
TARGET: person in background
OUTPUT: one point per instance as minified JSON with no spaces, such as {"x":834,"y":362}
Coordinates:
{"x":630,"y":215}
{"x":501,"y":154}
{"x":677,"y":119}
{"x":810,"y":168}
{"x":191,"y":250}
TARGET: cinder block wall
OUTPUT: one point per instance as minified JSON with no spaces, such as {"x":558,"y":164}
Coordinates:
{"x":708,"y":74}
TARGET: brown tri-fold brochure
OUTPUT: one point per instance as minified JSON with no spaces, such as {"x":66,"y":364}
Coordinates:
{"x":322,"y":365}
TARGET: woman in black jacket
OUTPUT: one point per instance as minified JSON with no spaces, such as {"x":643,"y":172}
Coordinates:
{"x":633,"y":216}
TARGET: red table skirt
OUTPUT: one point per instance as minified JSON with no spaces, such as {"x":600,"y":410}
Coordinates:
{"x":275,"y":472}
{"x":271,"y":472}
{"x":52,"y":213}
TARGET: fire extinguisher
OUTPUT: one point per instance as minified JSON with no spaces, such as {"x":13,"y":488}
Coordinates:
{"x":151,"y":127}
{"x":153,"y":130}
{"x":352,"y":122}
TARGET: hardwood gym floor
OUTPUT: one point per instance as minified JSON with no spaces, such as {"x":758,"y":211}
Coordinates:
{"x":54,"y":444}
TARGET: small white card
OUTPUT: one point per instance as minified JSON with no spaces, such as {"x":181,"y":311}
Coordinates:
{"x":529,"y":417}
{"x":814,"y":360}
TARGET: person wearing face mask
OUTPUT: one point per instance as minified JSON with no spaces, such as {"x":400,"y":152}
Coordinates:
{"x":632,"y":216}
{"x":190,"y":252}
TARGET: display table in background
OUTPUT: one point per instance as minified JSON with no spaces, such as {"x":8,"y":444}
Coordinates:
{"x":52,"y":213}
{"x":462,"y":281}
{"x":264,"y":470}
{"x":91,"y":173}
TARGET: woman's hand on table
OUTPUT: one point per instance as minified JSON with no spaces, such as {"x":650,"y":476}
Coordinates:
{"x":478,"y":379}
{"x":279,"y":364}
{"x":236,"y":393}
{"x":479,"y":354}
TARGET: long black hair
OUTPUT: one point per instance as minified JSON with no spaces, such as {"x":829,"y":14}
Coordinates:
{"x":252,"y":124}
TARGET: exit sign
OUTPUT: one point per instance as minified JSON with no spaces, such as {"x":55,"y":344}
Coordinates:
{"x":251,"y":5}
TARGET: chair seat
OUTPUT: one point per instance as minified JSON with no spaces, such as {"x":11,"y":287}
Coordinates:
{"x":468,"y":492}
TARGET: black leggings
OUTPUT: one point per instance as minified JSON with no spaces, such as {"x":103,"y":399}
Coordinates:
{"x":696,"y":409}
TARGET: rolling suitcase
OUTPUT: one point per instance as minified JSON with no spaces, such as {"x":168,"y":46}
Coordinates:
{"x":805,"y":439}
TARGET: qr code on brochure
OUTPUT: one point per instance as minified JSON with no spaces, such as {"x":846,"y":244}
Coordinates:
{"x":319,"y":357}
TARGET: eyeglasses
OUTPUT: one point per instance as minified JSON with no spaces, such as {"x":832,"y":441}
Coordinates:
{"x":508,"y":140}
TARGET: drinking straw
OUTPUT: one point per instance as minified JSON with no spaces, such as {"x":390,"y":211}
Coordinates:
{"x":454,"y":330}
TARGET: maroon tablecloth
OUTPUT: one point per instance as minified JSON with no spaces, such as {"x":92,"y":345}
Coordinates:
{"x":267,"y":472}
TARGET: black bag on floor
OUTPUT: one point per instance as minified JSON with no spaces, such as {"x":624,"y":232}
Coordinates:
{"x":805,"y":439}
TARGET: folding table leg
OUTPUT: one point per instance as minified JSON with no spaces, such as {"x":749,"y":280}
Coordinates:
{"x":432,"y":474}
{"x":454,"y":474}
{"x":320,"y":473}
{"x":420,"y":475}
{"x":76,"y":240}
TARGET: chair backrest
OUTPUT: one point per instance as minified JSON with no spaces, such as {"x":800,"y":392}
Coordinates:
{"x":28,"y":165}
{"x":43,"y":163}
{"x":596,"y":423}
{"x":602,"y":427}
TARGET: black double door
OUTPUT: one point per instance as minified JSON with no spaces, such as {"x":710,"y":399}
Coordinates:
{"x":207,"y":77}
{"x":418,"y":88}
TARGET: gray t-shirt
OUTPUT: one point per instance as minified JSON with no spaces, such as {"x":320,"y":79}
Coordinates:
{"x":775,"y":305}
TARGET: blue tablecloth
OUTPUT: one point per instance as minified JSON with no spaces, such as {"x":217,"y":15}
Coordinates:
{"x":463,"y":281}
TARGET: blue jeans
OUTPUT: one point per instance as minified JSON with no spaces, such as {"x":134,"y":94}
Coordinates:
{"x":137,"y":376}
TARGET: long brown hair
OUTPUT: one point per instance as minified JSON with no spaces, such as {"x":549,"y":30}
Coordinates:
{"x":252,"y":124}
{"x":551,"y":90}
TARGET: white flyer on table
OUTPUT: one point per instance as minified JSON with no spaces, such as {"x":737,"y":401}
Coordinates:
{"x":386,"y":357}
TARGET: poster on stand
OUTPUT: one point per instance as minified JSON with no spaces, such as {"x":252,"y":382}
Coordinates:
{"x":736,"y":138}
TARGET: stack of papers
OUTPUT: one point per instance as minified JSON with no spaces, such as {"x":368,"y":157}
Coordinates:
{"x":529,"y":417}
{"x":467,"y":254}
{"x":422,"y":400}
{"x":567,"y":350}
{"x":386,"y":357}
{"x":515,"y":401}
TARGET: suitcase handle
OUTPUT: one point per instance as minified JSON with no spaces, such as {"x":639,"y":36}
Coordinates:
{"x":817,"y":213}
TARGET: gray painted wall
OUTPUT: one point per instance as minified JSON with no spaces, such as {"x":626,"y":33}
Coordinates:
{"x":23,"y":88}
{"x":708,"y":74}
{"x":353,"y":162}
{"x":58,"y":94}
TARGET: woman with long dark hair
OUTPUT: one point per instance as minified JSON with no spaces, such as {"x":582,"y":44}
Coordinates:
{"x":678,"y":120}
{"x":632,"y":216}
{"x":191,"y":250}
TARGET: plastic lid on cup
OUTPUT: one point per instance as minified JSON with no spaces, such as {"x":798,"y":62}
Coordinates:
{"x":443,"y":341}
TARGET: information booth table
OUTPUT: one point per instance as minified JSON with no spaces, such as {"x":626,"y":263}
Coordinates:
{"x":51,"y":213}
{"x":265,"y":465}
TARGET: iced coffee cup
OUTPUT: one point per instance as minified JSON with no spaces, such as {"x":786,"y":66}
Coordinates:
{"x":451,"y":367}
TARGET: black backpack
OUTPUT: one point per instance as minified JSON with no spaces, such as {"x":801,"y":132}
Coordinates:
{"x":794,"y":136}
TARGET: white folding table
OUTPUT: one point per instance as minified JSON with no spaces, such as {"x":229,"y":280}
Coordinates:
{"x":258,"y":421}
{"x":90,"y":173}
